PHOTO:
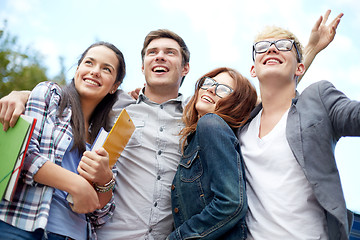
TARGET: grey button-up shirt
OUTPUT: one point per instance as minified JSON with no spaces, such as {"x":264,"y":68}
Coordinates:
{"x":146,"y":169}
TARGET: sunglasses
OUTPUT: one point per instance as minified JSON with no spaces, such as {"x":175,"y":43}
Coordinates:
{"x":221,"y":90}
{"x":283,"y":45}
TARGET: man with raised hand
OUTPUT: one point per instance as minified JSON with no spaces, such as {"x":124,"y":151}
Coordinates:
{"x":293,"y":184}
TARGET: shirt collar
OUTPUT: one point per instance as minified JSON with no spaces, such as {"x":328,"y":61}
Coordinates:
{"x":143,"y":98}
{"x":295,"y":99}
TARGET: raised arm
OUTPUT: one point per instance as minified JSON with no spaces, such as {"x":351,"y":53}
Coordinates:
{"x":11,"y":107}
{"x":321,"y":36}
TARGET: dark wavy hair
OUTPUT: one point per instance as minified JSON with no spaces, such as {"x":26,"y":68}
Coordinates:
{"x":235,"y":109}
{"x":100,"y":116}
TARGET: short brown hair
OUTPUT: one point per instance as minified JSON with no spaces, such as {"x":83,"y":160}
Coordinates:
{"x":165,"y":33}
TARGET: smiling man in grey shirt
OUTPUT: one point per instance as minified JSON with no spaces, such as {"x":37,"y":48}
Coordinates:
{"x":147,"y":165}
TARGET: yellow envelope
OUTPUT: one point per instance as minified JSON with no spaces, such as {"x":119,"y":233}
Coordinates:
{"x":115,"y":141}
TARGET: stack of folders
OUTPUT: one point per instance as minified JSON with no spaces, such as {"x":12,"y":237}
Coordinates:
{"x":13,"y":146}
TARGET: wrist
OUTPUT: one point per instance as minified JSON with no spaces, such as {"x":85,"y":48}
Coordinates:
{"x":101,"y":181}
{"x":311,"y":50}
{"x":109,"y":186}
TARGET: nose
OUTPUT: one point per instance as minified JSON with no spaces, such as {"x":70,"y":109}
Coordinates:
{"x":160,"y":56}
{"x":272,"y":48}
{"x":95,"y":71}
{"x":212,"y":89}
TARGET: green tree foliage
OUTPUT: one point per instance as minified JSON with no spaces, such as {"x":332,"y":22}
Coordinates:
{"x":60,"y":78}
{"x":21,"y":69}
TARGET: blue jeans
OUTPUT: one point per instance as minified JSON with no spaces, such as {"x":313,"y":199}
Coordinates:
{"x":9,"y":232}
{"x":54,"y":236}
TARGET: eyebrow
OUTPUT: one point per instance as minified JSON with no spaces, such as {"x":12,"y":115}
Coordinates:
{"x":106,"y":64}
{"x":169,"y":48}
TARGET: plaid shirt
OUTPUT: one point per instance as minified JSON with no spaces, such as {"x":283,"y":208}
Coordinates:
{"x":52,"y":135}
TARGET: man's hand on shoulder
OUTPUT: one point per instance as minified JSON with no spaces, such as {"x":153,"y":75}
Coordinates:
{"x":135,"y":93}
{"x":11,"y":107}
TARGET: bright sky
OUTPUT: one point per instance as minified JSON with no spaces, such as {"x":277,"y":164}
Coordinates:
{"x":218,"y":33}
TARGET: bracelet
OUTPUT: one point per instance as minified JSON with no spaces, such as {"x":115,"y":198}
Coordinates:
{"x":107,"y":187}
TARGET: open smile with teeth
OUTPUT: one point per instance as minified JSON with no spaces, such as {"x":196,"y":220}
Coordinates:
{"x":92,"y":82}
{"x":160,"y":69}
{"x":208,"y":99}
{"x":272,"y":61}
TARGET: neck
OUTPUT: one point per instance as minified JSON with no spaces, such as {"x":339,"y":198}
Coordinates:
{"x":87,"y":110}
{"x":276,"y":99}
{"x":160,"y":95}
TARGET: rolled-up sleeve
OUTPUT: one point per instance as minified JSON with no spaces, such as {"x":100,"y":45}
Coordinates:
{"x":38,"y":106}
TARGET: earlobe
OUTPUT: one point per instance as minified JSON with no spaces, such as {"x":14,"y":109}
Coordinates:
{"x":114,"y":88}
{"x":252,"y":71}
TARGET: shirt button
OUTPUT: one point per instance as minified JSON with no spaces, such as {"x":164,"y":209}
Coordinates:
{"x":176,"y":210}
{"x":155,"y":204}
{"x":158,"y":177}
{"x":172,"y":187}
{"x":161,"y":129}
{"x":159,"y":152}
{"x":161,"y":107}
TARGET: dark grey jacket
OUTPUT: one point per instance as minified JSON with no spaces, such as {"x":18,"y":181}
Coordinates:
{"x":317,"y":119}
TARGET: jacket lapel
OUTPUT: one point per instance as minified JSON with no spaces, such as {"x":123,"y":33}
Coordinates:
{"x":293,"y":133}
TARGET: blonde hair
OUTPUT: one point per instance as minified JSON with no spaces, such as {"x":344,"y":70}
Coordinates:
{"x":278,"y":32}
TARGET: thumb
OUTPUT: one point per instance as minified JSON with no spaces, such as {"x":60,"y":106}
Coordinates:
{"x":102,"y":152}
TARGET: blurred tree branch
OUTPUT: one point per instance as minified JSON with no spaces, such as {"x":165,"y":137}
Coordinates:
{"x":21,"y":69}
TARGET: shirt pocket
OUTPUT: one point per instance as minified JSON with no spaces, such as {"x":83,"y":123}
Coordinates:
{"x":190,"y":167}
{"x":136,"y":138}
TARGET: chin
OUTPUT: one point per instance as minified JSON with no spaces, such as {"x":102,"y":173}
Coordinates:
{"x":202,"y":113}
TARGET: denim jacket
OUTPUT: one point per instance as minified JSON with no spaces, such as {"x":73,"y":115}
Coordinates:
{"x":208,"y":192}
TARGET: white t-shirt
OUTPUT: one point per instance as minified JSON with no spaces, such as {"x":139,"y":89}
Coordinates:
{"x":281,"y":201}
